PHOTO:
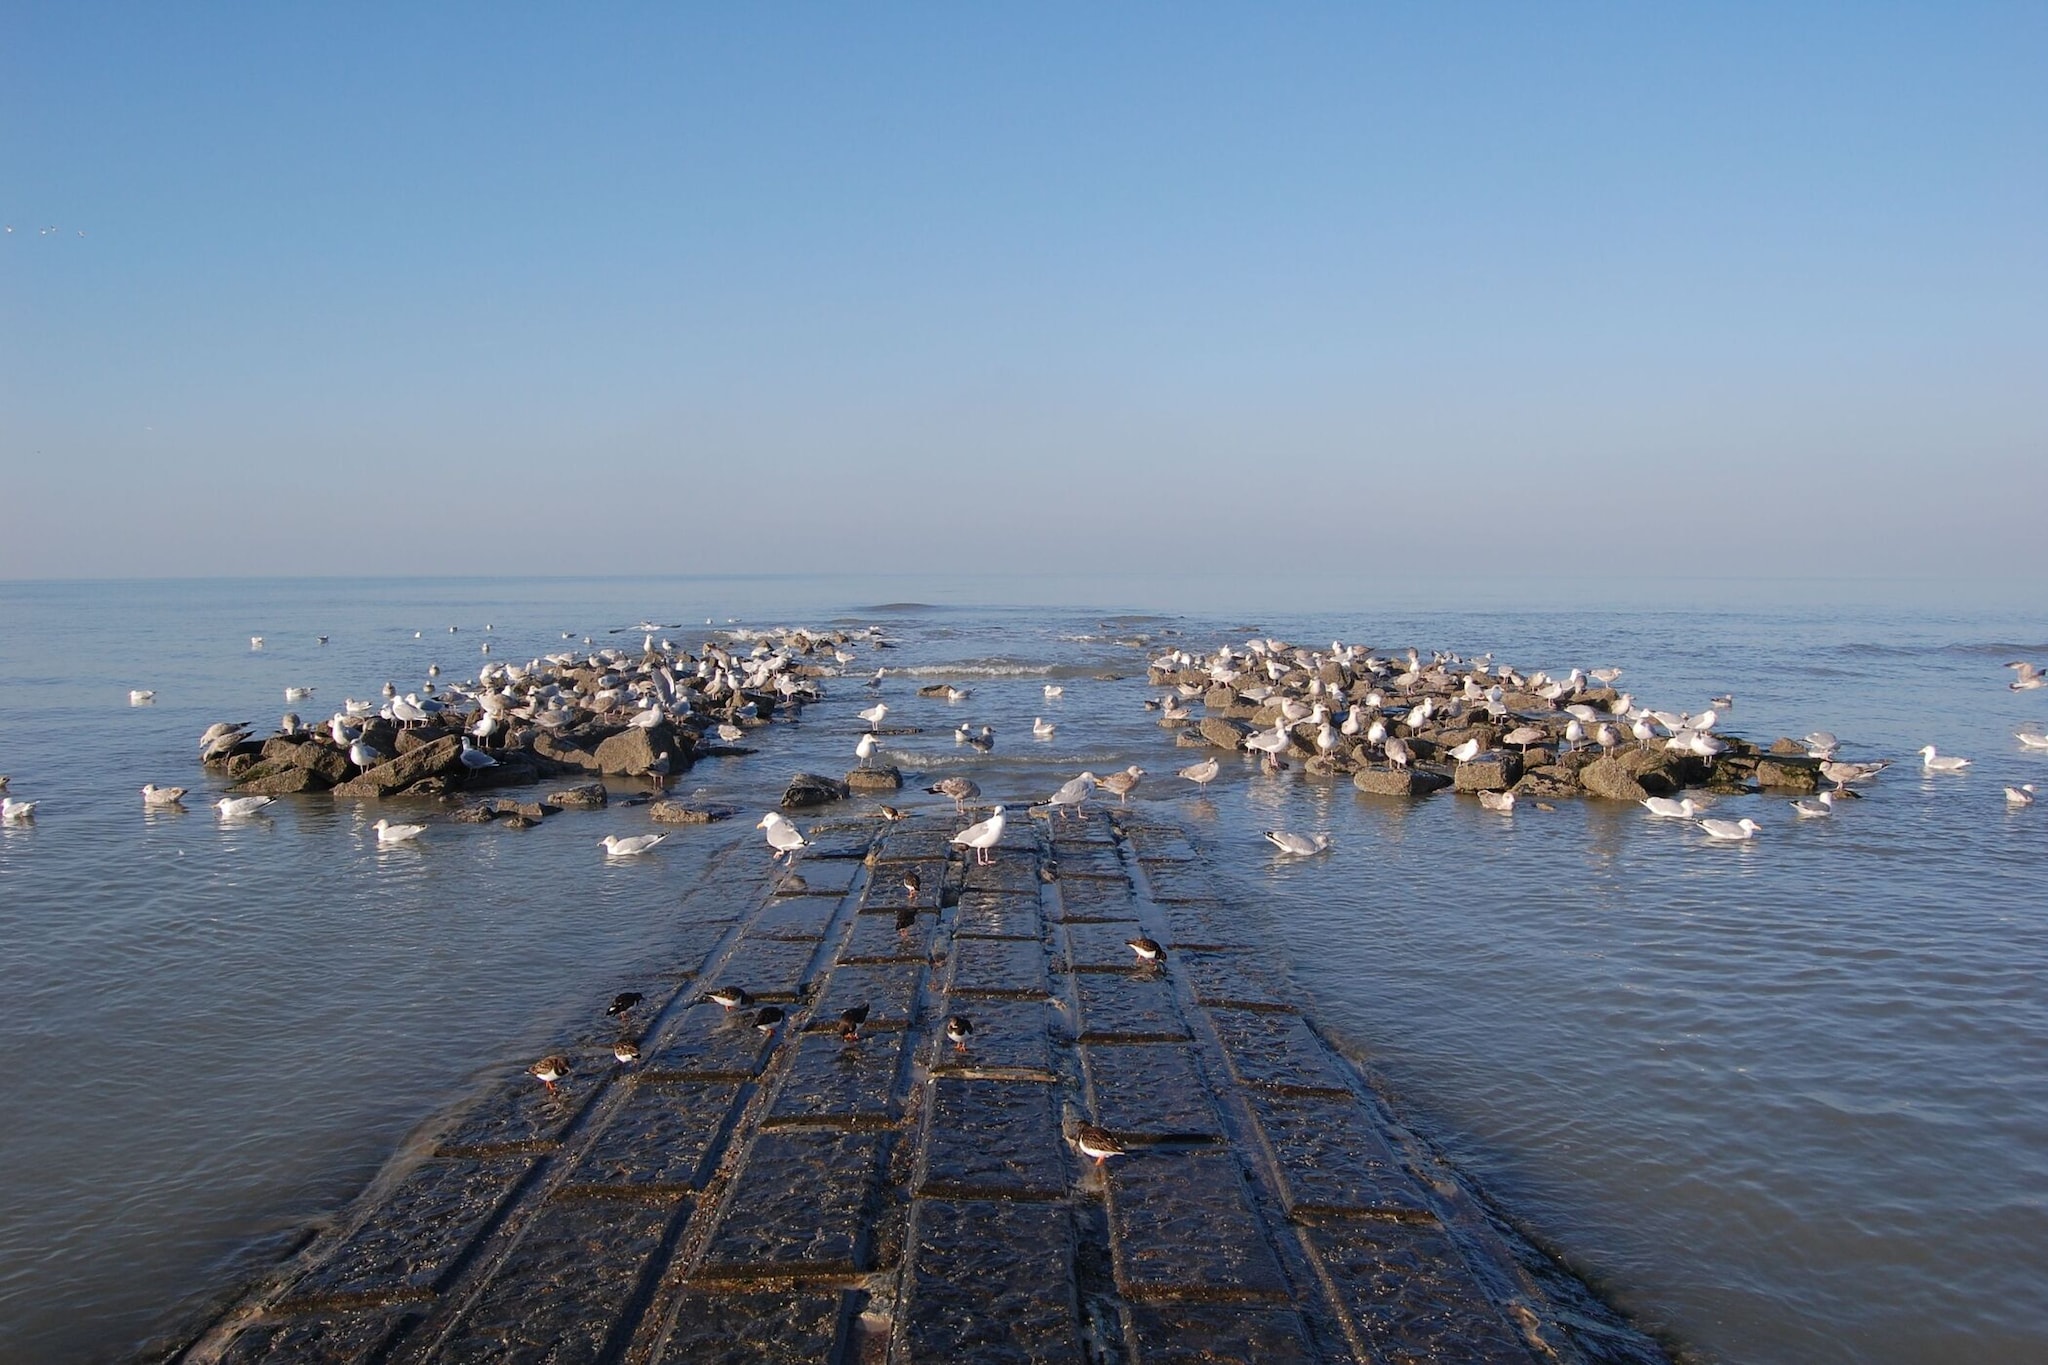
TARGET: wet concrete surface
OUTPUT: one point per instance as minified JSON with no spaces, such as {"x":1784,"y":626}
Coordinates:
{"x":810,"y":1193}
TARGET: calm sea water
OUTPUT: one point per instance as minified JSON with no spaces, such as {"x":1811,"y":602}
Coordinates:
{"x":1784,"y":1101}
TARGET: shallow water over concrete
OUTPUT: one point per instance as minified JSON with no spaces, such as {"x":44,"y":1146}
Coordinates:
{"x":1781,"y":1099}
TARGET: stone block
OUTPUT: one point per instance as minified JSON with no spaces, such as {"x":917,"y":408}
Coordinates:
{"x":888,"y":989}
{"x":708,"y":1043}
{"x":1181,"y":1229}
{"x":930,"y":843}
{"x":773,"y":969}
{"x":994,"y":914}
{"x":992,"y":1139}
{"x":1175,"y":882}
{"x":1011,"y":1037}
{"x":1242,"y":979}
{"x":1014,"y":873}
{"x":1096,"y":899}
{"x":998,"y":966}
{"x":1213,"y":1334}
{"x":801,"y":1207}
{"x":324,"y":1337}
{"x":1333,"y":1159}
{"x":822,"y":875}
{"x":886,"y":892}
{"x":1128,"y":1008}
{"x":1161,"y":844}
{"x":991,"y":1283}
{"x":833,"y":1083}
{"x":664,"y":1137}
{"x":1087,"y":861}
{"x":416,"y":1237}
{"x":795,"y":917}
{"x":1205,"y":926}
{"x":561,"y":1293}
{"x":875,"y":938}
{"x":792,"y":1326}
{"x":1405,"y":1293}
{"x":521,"y":1115}
{"x":1150,"y":1093}
{"x":1279,"y":1052}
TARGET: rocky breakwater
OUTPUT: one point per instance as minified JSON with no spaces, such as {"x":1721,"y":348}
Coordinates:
{"x":608,"y":712}
{"x":1406,"y":725}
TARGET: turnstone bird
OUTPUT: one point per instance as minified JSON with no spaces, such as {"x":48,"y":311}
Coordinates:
{"x":958,"y":1030}
{"x":850,"y":1021}
{"x":623,"y":1001}
{"x":913,"y":885}
{"x":548,"y":1070}
{"x":627,"y":1051}
{"x":767,"y":1017}
{"x":1097,"y":1142}
{"x":732,"y":997}
{"x":1148,"y":950}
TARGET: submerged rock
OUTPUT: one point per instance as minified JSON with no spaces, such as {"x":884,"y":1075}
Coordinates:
{"x":676,"y":813}
{"x":874,"y":780}
{"x":809,"y":789}
{"x":589,"y":796}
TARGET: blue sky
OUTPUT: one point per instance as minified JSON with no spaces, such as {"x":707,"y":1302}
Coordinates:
{"x":421,"y":289}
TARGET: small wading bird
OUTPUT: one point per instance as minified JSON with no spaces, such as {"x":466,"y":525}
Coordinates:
{"x":767,"y":1017}
{"x":548,"y":1070}
{"x":1097,"y":1142}
{"x":627,"y":1051}
{"x":623,"y":1003}
{"x":731,"y":998}
{"x":958,"y":1030}
{"x":850,"y":1021}
{"x":1148,"y":950}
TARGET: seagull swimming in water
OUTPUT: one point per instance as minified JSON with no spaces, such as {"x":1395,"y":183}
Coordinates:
{"x":388,"y":833}
{"x":615,"y":847}
{"x":140,"y":696}
{"x":2022,"y":795}
{"x":241,"y":807}
{"x":1941,"y":763}
{"x":1731,"y":830}
{"x":153,"y":795}
{"x":1300,"y":845}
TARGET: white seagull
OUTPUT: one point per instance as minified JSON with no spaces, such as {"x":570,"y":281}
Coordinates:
{"x":1817,"y":807}
{"x":864,"y":748}
{"x":2032,"y":739}
{"x":153,"y":795}
{"x":615,"y":847}
{"x":1732,"y":830}
{"x":1941,"y":763}
{"x":2022,"y":795}
{"x":1203,"y":773}
{"x":982,"y":837}
{"x":1054,"y":693}
{"x":1072,"y":794}
{"x":1300,"y":845}
{"x":388,"y":833}
{"x":873,"y":715}
{"x":140,"y":696}
{"x":240,"y":807}
{"x":15,"y":812}
{"x":783,"y":836}
{"x":1040,"y":729}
